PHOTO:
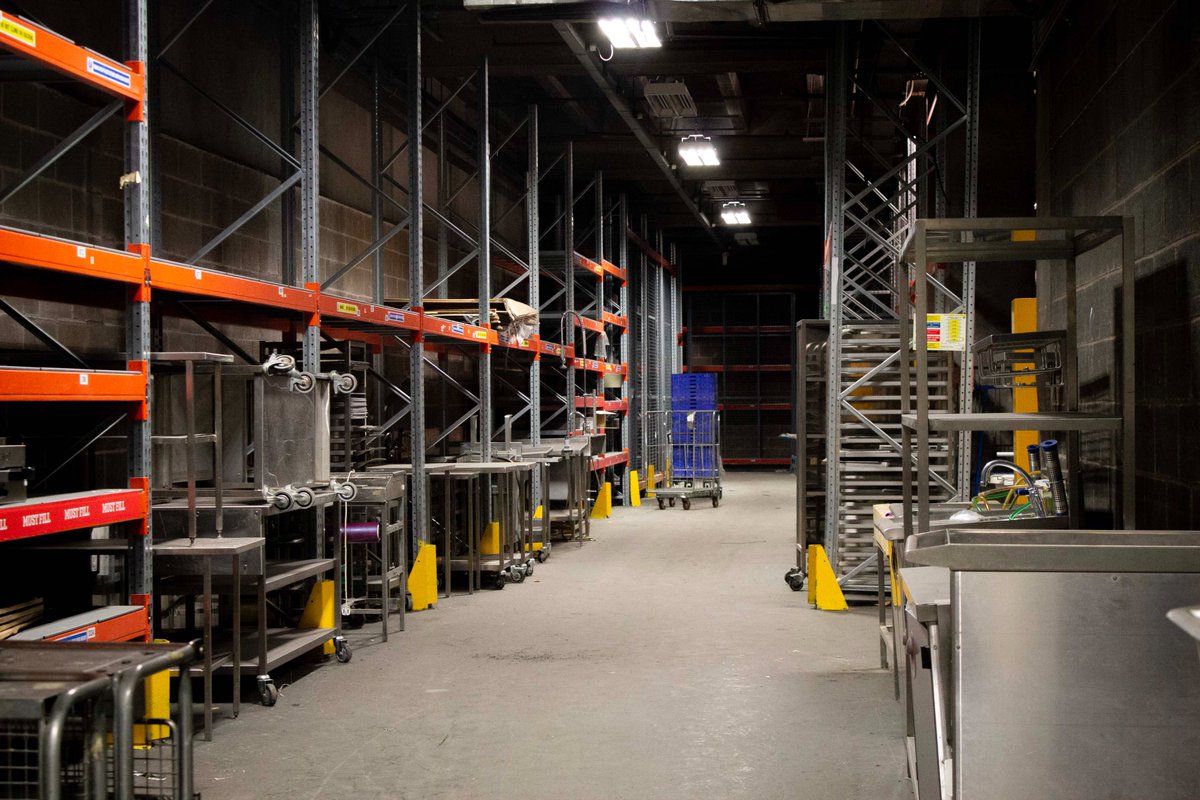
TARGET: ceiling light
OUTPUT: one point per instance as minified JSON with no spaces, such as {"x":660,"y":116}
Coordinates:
{"x":735,"y":213}
{"x":630,"y":33}
{"x":698,"y":151}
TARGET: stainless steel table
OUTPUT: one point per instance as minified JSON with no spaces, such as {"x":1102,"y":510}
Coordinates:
{"x":1067,"y":679}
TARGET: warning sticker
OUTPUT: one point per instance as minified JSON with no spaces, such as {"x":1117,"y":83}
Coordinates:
{"x":10,"y":27}
{"x":347,"y":308}
{"x":946,"y":332}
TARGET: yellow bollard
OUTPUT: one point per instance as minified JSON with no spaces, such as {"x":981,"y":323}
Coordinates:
{"x":649,"y":481}
{"x":635,"y":491}
{"x":318,"y":611}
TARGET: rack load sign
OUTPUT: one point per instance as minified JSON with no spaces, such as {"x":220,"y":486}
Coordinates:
{"x":946,"y":332}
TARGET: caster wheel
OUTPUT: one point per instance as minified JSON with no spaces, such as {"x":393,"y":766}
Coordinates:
{"x":498,"y":582}
{"x":542,"y":555}
{"x":687,"y":504}
{"x":342,"y":650}
{"x":529,"y":568}
{"x":671,"y":502}
{"x":304,"y":497}
{"x":268,"y":694}
{"x":794,"y":579}
{"x":716,"y":501}
{"x":518,"y":575}
{"x":408,"y":603}
{"x":661,"y":504}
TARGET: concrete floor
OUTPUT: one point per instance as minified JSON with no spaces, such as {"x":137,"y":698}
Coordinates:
{"x":664,"y":659}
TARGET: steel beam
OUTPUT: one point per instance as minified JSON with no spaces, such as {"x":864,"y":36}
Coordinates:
{"x":483,"y":124}
{"x":416,"y":271}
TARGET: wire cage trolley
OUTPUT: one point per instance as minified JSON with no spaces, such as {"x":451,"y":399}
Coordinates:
{"x":694,"y":442}
{"x":93,"y":721}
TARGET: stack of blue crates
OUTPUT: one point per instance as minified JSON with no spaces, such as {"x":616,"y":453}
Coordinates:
{"x":693,"y":444}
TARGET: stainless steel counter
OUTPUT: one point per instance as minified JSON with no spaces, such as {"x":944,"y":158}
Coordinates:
{"x":1068,"y":680}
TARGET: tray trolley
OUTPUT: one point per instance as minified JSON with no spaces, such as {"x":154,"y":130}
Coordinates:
{"x":695,"y":470}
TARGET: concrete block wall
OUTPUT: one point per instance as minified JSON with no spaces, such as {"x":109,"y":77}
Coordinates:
{"x":1119,"y":133}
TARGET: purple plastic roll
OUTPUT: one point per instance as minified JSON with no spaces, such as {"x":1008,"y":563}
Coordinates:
{"x":361,"y":532}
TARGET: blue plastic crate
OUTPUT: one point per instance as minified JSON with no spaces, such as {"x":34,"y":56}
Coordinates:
{"x":700,"y":428}
{"x":693,"y":391}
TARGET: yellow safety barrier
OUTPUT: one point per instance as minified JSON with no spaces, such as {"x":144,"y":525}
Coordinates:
{"x":319,"y":610}
{"x":823,"y":589}
{"x":602,"y":509}
{"x":635,"y":491}
{"x":423,"y":578}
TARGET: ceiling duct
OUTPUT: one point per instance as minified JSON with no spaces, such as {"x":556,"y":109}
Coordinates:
{"x":669,"y":99}
{"x":720,"y":190}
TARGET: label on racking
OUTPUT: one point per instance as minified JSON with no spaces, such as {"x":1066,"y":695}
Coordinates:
{"x":482,"y":335}
{"x":946,"y":332}
{"x":457,"y":328}
{"x":10,"y":27}
{"x":394,"y":316}
{"x":85,"y":635}
{"x":347,"y":308}
{"x":109,"y":73}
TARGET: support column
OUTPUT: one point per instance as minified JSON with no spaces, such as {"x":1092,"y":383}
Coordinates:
{"x":836,"y":91}
{"x":443,"y":233}
{"x":485,"y":261}
{"x":416,"y":276}
{"x":533,"y":226}
{"x":970,"y":209}
{"x":569,"y":261}
{"x":623,"y":352}
{"x":310,"y":192}
{"x":137,"y":341}
{"x":377,"y":288}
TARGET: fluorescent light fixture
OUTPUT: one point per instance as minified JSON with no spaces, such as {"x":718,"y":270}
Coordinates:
{"x":735,"y":213}
{"x":698,"y":151}
{"x":627,"y":33}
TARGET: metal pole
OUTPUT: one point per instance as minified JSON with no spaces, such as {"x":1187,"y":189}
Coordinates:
{"x":835,"y":188}
{"x":310,"y":226}
{"x":416,"y":286}
{"x":485,"y":262}
{"x":970,"y":210}
{"x":139,"y":565}
{"x":569,"y":267}
{"x":622,"y":242}
{"x":533,"y":227}
{"x":443,"y":232}
{"x":376,"y":201}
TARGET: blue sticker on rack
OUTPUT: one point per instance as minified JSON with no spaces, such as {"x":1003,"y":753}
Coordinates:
{"x":394,"y":316}
{"x":457,"y":328}
{"x":109,"y":73}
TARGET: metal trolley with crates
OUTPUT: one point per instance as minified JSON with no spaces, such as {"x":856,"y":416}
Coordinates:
{"x":693,"y":428}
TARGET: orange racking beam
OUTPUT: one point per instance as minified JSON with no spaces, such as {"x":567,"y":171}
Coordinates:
{"x":32,"y":385}
{"x":58,"y":513}
{"x":30,"y":249}
{"x":172,"y":277}
{"x":59,"y":53}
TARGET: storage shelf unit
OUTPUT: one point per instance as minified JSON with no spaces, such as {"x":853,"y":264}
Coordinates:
{"x":127,"y":389}
{"x":747,"y":340}
{"x":307,"y":302}
{"x":1053,"y":243}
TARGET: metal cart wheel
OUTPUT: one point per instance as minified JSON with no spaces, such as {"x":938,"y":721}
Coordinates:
{"x":672,"y":502}
{"x":498,"y":582}
{"x":529,"y":567}
{"x":794,"y":579}
{"x":687,"y":504}
{"x":716,"y":500}
{"x":662,"y":504}
{"x":268,"y":695}
{"x":341,"y":649}
{"x":518,"y":574}
{"x":542,"y":555}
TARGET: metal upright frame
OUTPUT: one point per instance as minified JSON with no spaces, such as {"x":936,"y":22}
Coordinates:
{"x":870,"y":208}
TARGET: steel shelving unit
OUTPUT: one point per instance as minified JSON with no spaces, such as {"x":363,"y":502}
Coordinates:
{"x":1051,"y":242}
{"x":305,"y":307}
{"x":747,"y":339}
